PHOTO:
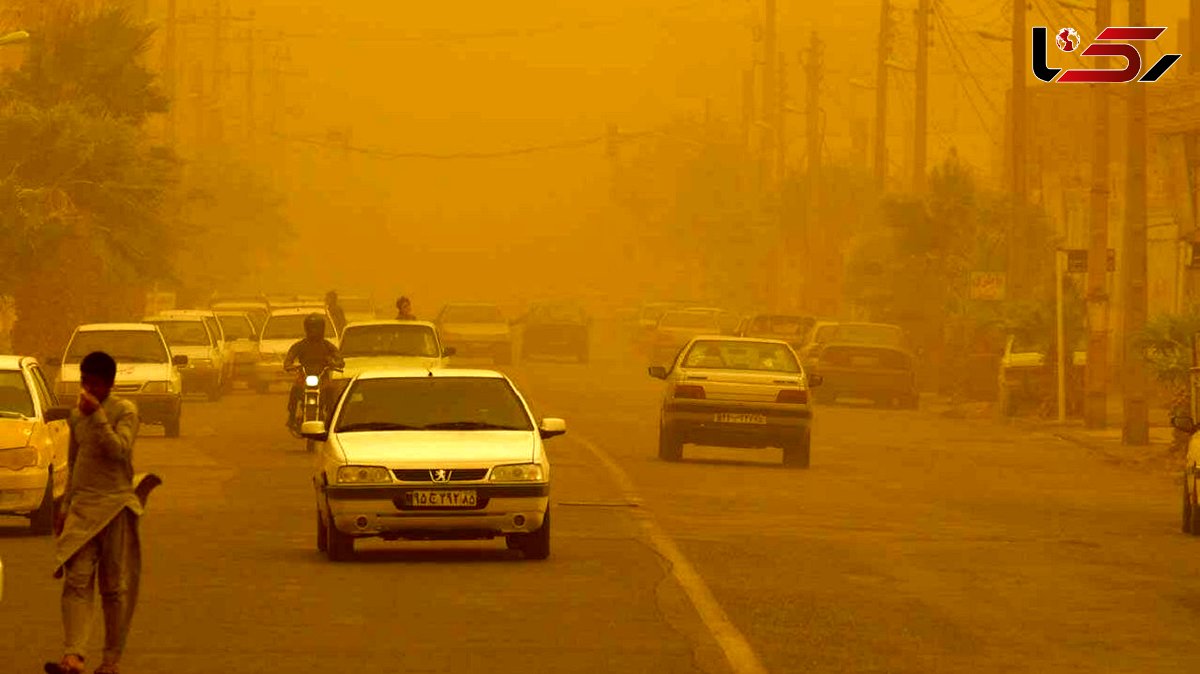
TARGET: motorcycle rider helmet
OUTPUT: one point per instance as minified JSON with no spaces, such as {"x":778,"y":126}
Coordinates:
{"x":314,"y":325}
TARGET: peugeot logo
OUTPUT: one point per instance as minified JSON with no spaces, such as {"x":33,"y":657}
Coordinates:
{"x":439,"y":475}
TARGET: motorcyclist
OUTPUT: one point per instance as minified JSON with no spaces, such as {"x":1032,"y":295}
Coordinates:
{"x":335,"y":310}
{"x":315,"y":354}
{"x":404,"y":310}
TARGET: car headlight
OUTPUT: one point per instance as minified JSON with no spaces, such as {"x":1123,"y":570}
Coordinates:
{"x":519,"y":472}
{"x":157,"y":387}
{"x":363,"y":474}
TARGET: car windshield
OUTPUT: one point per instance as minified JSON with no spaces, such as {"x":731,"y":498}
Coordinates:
{"x":125,"y":346}
{"x":183,"y":333}
{"x":557,"y":314}
{"x":689,"y":319}
{"x":389,"y":340}
{"x":472,"y":314}
{"x":432,"y":403}
{"x":14,"y":395}
{"x":785,"y":326}
{"x":236,"y":326}
{"x":289,"y":326}
{"x":861,"y":333}
{"x":729,"y":355}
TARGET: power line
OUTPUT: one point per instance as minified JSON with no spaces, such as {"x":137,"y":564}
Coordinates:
{"x":969,"y":95}
{"x":966,"y":65}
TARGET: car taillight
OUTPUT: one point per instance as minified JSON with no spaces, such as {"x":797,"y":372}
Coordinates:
{"x":689,"y":391}
{"x":793,"y":396}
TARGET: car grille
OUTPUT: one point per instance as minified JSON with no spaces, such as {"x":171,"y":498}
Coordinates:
{"x":426,"y":474}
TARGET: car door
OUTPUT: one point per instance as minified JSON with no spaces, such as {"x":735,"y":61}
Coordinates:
{"x":58,"y":431}
{"x":216,"y":338}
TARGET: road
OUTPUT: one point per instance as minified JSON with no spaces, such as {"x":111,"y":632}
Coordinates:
{"x":915,"y":543}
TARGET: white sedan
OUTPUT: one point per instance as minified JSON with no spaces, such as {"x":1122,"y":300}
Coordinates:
{"x":33,"y":444}
{"x":391,"y":345}
{"x":437,"y":454}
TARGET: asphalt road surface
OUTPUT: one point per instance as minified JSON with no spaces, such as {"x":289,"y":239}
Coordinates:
{"x":914,"y":544}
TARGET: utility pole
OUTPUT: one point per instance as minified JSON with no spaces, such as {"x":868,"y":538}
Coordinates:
{"x":921,"y":98}
{"x":770,"y":95}
{"x":813,"y":231}
{"x":1095,"y":412}
{"x":881,"y":81}
{"x":170,"y":64}
{"x":1136,"y":429}
{"x":1016,"y":281}
{"x":250,"y":98}
{"x":781,"y":120}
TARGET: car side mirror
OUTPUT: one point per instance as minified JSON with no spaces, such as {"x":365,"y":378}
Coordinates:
{"x":58,"y":413}
{"x":658,"y":372}
{"x":1184,"y":424}
{"x":815,"y":380}
{"x":180,"y":360}
{"x":449,"y":351}
{"x":551,"y":427}
{"x":314,"y":430}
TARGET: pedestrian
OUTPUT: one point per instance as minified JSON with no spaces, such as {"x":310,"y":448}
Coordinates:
{"x":97,"y":521}
{"x":335,"y":311}
{"x":404,"y":310}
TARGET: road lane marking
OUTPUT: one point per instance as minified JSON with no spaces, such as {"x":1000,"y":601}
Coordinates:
{"x":734,"y":646}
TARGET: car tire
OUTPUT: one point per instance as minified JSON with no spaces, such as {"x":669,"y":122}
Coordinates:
{"x":322,"y":533}
{"x":537,"y":544}
{"x":1186,"y":520}
{"x":798,"y":454}
{"x":339,"y":546}
{"x":171,"y":427}
{"x":670,"y":448}
{"x":41,"y":522}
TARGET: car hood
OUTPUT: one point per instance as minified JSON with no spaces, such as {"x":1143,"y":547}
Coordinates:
{"x":15,"y":433}
{"x":356,"y":365}
{"x":437,"y":449}
{"x":127,"y":373}
{"x":471,"y":329}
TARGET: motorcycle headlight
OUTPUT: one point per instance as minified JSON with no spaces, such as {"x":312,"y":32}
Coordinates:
{"x":519,"y":472}
{"x":312,"y":380}
{"x":363,"y":475}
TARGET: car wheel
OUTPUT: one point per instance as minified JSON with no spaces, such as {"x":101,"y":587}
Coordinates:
{"x":1187,"y":509}
{"x":537,"y":544}
{"x":322,"y":533}
{"x":797,"y":454}
{"x":670,"y":448}
{"x":171,"y":426}
{"x":339,"y":546}
{"x":42,"y":520}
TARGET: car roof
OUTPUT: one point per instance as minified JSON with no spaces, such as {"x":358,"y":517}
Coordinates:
{"x":232,"y":312}
{"x":297,"y":311}
{"x":727,"y":338}
{"x":117,"y":327}
{"x":363,"y":324}
{"x":171,"y":313}
{"x":417,"y":373}
{"x":180,"y":318}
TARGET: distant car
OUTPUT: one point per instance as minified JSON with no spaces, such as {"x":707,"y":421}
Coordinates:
{"x":243,"y":343}
{"x":646,"y":320}
{"x":147,"y":373}
{"x":218,"y":332}
{"x":432,"y":455}
{"x":391,"y":345}
{"x":678,"y":326}
{"x":1191,"y":474}
{"x":256,"y":310}
{"x":284,"y":328}
{"x":188,"y":335}
{"x":1025,"y":380}
{"x":34,"y":441}
{"x":555,"y":329}
{"x":881,"y":372}
{"x":476,"y":330}
{"x":791,"y":328}
{"x":736,"y":392}
{"x":876,"y":334}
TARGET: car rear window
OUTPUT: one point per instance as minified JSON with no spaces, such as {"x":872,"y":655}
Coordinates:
{"x":726,"y":355}
{"x":883,"y":335}
{"x":125,"y":346}
{"x":184,"y":333}
{"x":14,"y":395}
{"x":389,"y":340}
{"x":865,"y":357}
{"x":236,"y":326}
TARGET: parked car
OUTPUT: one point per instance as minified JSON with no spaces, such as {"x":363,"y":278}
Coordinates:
{"x":432,"y":455}
{"x":1027,"y":380}
{"x":243,"y":344}
{"x":147,"y":373}
{"x":555,"y":329}
{"x":284,"y":328}
{"x":1191,"y":474}
{"x":882,"y":372}
{"x":476,"y":330}
{"x":736,"y":392}
{"x":34,"y":442}
{"x":391,"y":345}
{"x":190,"y":336}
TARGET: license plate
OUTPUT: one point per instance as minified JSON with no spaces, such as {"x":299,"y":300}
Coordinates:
{"x":443,"y":499}
{"x":727,"y":418}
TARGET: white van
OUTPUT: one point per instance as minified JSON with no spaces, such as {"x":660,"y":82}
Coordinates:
{"x":147,"y":374}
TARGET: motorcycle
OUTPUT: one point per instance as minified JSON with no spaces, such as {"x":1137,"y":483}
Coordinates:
{"x":311,"y":407}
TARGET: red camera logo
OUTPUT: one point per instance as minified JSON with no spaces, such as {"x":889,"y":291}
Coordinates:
{"x":1112,"y":41}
